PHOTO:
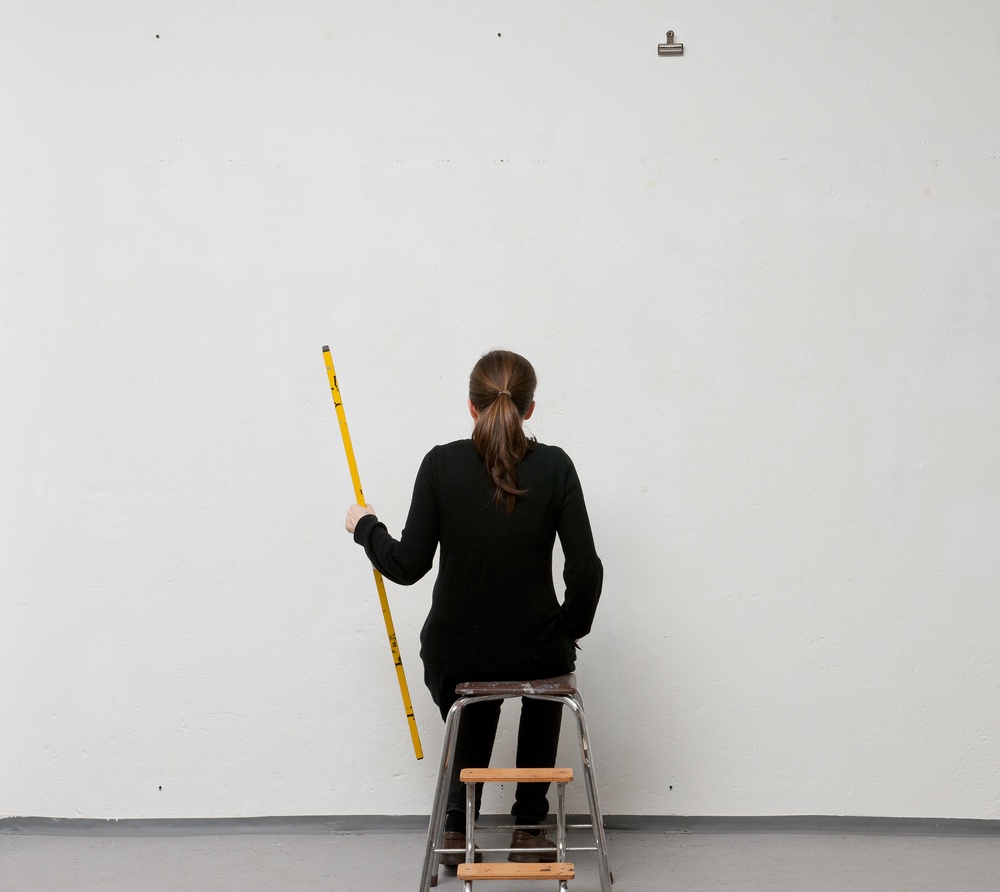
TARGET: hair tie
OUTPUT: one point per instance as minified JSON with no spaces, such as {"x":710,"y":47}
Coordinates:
{"x":503,"y":391}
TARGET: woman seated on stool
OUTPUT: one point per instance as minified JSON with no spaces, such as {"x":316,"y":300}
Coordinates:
{"x":495,"y":504}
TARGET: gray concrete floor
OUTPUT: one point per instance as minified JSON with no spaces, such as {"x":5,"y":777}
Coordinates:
{"x":320,"y":862}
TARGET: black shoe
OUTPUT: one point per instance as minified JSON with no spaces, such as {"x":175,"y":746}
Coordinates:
{"x":522,"y":839}
{"x":455,"y":840}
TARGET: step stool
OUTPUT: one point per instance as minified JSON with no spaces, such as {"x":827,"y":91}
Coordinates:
{"x":561,"y":689}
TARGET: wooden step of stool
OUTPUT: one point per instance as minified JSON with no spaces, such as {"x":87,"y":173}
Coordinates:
{"x":516,"y":775}
{"x":500,"y":871}
{"x":550,"y":870}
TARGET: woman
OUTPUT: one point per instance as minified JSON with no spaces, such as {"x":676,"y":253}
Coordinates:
{"x":495,"y":504}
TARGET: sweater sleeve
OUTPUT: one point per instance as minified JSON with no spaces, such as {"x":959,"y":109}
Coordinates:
{"x":407,"y":559}
{"x":583,"y":572}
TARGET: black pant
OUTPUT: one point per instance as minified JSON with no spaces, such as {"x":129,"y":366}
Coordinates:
{"x":537,"y":743}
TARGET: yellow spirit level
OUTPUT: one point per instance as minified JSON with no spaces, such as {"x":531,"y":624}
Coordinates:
{"x":379,"y":583}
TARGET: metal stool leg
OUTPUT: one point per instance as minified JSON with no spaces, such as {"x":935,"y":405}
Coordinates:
{"x":560,"y":822}
{"x":470,"y":829}
{"x":575,"y":703}
{"x":561,"y":830}
{"x":435,"y":829}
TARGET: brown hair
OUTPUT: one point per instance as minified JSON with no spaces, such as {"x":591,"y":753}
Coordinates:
{"x":502,"y":387}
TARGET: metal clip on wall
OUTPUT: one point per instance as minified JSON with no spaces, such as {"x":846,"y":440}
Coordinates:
{"x":670,"y":48}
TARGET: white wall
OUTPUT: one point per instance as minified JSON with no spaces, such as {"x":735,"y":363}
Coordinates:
{"x":759,"y":284}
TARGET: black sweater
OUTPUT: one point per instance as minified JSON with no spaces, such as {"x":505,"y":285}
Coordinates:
{"x":494,"y":613}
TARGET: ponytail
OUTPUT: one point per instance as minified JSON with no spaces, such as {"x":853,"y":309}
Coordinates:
{"x":502,"y":387}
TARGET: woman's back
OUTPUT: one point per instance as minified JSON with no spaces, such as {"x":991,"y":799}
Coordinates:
{"x":494,"y":612}
{"x":494,"y":504}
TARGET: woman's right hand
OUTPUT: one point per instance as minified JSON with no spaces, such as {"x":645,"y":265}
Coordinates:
{"x":354,"y":514}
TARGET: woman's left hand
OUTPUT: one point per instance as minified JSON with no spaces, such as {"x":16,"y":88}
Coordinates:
{"x":354,"y":514}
